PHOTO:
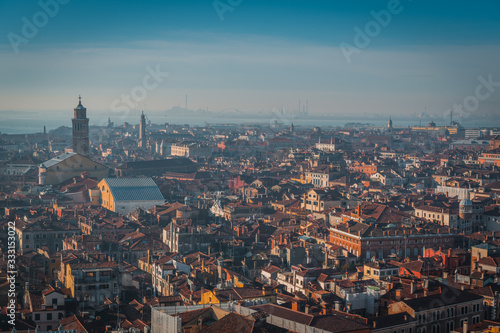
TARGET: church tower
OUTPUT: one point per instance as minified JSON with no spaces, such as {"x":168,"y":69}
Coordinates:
{"x":81,"y":130}
{"x":142,"y":131}
{"x":389,"y":125}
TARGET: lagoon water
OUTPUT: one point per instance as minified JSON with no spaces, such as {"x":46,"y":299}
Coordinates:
{"x":21,"y":122}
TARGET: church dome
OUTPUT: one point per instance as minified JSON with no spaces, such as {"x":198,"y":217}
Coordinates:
{"x":465,"y":202}
{"x":80,"y":106}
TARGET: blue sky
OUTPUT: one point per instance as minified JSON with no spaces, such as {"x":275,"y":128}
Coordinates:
{"x":263,"y":55}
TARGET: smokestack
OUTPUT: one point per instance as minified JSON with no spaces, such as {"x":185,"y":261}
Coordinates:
{"x":186,"y":102}
{"x":398,"y":294}
{"x":337,"y":306}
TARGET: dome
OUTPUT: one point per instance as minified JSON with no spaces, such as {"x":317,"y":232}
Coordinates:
{"x":465,"y":202}
{"x":80,"y":106}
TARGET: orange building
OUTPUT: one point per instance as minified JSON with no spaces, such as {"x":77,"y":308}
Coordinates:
{"x":368,"y":170}
{"x":366,"y":241}
{"x":491,"y":157}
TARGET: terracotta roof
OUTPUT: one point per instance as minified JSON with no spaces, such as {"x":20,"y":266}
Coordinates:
{"x":437,"y":300}
{"x":232,"y":322}
{"x":72,"y":323}
{"x":189,"y":316}
{"x":337,"y":322}
{"x":285,"y":313}
{"x":271,"y":269}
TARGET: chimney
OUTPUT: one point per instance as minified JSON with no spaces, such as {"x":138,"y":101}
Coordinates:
{"x":413,"y":287}
{"x":337,"y":306}
{"x":295,"y":305}
{"x":200,"y":324}
{"x":466,"y":327}
{"x":308,"y":309}
{"x":398,"y":294}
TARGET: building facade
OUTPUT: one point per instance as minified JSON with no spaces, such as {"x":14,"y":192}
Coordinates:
{"x":67,"y":166}
{"x":368,"y":242}
{"x":123,"y":195}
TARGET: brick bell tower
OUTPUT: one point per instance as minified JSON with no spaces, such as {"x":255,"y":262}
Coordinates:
{"x":81,"y":130}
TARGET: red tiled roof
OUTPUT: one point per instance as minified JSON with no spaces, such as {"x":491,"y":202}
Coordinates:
{"x":232,"y":322}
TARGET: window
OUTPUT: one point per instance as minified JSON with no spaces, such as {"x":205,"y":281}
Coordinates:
{"x":49,"y":316}
{"x":54,"y":301}
{"x":37,"y":316}
{"x":450,"y":326}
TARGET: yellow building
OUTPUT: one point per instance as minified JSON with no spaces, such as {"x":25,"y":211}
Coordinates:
{"x":123,"y":195}
{"x":70,"y":280}
{"x":54,"y":263}
{"x":92,"y":282}
{"x":217,"y":296}
{"x":67,"y":166}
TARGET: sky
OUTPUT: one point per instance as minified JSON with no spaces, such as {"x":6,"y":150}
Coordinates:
{"x":251,"y":55}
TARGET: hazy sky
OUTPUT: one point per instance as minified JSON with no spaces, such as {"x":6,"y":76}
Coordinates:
{"x":261,"y":55}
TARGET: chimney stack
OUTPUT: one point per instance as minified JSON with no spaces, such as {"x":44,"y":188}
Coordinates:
{"x":398,"y":294}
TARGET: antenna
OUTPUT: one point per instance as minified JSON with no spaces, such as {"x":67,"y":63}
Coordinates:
{"x":186,"y":102}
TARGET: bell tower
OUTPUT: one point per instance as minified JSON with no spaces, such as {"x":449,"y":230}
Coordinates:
{"x":142,"y":131}
{"x":80,"y":130}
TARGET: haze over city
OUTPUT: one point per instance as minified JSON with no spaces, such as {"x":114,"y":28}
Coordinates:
{"x":251,"y":56}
